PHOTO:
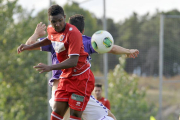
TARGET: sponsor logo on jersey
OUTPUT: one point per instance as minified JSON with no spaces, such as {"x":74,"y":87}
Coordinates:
{"x":61,"y":38}
{"x":77,"y":97}
{"x":58,"y":46}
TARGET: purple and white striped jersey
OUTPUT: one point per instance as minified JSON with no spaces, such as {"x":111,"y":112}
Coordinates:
{"x":49,"y":48}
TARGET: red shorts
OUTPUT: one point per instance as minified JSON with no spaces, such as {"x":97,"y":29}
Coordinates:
{"x":76,"y":90}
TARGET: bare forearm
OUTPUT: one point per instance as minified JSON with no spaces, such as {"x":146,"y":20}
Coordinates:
{"x":111,"y":115}
{"x":68,"y":63}
{"x":44,"y":42}
{"x":119,"y":50}
{"x":32,"y":39}
{"x":39,"y":32}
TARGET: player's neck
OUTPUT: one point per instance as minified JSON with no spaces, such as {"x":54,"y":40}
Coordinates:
{"x":99,"y":98}
{"x":64,"y":28}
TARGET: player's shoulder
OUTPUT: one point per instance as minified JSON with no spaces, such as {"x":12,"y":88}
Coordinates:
{"x":72,"y":29}
{"x":86,"y":38}
{"x":105,"y":99}
{"x":50,"y":29}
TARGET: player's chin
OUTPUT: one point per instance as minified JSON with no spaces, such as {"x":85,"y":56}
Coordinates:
{"x":58,"y":30}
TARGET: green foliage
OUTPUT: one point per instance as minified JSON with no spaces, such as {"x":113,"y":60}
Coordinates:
{"x":19,"y":82}
{"x":127,"y":100}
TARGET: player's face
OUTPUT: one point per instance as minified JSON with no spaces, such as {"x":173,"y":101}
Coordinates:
{"x":97,"y":91}
{"x":58,"y":22}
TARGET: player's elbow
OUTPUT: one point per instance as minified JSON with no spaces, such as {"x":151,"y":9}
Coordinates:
{"x":27,"y":43}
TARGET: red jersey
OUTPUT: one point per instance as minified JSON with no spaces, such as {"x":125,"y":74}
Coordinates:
{"x":66,"y":43}
{"x":105,"y":102}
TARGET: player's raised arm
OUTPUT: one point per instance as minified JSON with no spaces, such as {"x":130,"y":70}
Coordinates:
{"x":24,"y":47}
{"x":131,"y":53}
{"x":39,"y":32}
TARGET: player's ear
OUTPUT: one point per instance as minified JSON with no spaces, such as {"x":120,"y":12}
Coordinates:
{"x":64,"y":16}
{"x":83,"y":31}
{"x":49,"y":19}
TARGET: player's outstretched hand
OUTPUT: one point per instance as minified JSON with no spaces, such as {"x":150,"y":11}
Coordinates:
{"x":40,"y":29}
{"x":134,"y":53}
{"x":42,"y":68}
{"x":23,"y":47}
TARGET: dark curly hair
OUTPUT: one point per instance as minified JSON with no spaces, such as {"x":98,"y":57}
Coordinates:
{"x":55,"y":10}
{"x":78,"y":21}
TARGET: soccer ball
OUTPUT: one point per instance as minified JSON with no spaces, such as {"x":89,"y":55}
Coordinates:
{"x":102,"y":41}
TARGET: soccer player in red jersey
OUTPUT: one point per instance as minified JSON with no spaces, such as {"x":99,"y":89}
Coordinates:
{"x":94,"y":110}
{"x":98,"y":96}
{"x":76,"y":81}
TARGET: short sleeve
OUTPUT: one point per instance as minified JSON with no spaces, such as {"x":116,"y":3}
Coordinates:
{"x":91,"y":48}
{"x":48,"y":48}
{"x":75,"y":43}
{"x":107,"y":104}
{"x":87,"y":45}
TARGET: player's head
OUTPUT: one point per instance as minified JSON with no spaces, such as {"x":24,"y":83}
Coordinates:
{"x":57,"y":17}
{"x":78,"y":21}
{"x":98,"y":91}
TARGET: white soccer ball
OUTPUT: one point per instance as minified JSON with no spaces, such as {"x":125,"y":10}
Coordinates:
{"x":102,"y":41}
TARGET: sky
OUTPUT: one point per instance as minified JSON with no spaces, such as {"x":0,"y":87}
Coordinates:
{"x":118,"y":10}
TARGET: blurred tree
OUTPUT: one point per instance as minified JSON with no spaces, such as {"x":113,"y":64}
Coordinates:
{"x":148,"y":44}
{"x":127,"y":100}
{"x":142,"y":33}
{"x":171,"y":44}
{"x":113,"y":29}
{"x":128,"y":38}
{"x":19,"y":81}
